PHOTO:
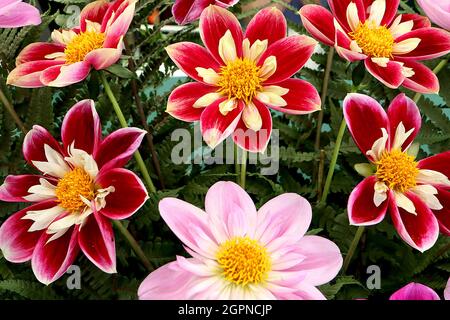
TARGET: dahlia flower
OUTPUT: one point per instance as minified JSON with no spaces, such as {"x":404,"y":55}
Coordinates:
{"x":240,"y":76}
{"x":82,"y":186}
{"x":415,"y":291}
{"x":438,"y":11}
{"x":187,"y":11}
{"x":96,"y":43}
{"x":447,"y":290}
{"x":241,"y":253}
{"x":415,"y":193}
{"x":389,"y":44}
{"x":15,"y":13}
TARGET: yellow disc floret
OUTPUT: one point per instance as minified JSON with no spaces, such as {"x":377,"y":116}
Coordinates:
{"x":240,"y":79}
{"x":71,"y":187}
{"x":397,"y":170}
{"x":243,"y":261}
{"x":83,"y":43}
{"x":375,"y":41}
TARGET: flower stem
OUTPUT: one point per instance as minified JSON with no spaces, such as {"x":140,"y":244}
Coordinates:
{"x":133,"y":243}
{"x":352,"y":249}
{"x":436,"y":70}
{"x":243,"y":168}
{"x":12,"y":112}
{"x":334,"y":157}
{"x":123,"y":123}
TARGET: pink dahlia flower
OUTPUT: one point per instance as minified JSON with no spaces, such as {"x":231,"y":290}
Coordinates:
{"x":438,"y":11}
{"x":447,"y":291}
{"x":96,"y":43}
{"x":389,"y":44}
{"x":415,"y":193}
{"x":15,"y":13}
{"x":241,"y":253}
{"x":240,"y":76}
{"x":415,"y":291}
{"x":187,"y":11}
{"x":81,"y":188}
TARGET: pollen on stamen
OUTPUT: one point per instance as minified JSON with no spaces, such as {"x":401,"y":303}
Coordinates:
{"x":71,"y":187}
{"x":375,"y":41}
{"x":82,"y":44}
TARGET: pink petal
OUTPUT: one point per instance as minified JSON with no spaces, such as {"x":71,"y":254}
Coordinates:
{"x":28,"y":75}
{"x":37,"y":51}
{"x":33,"y":144}
{"x":157,"y":287}
{"x":16,"y":187}
{"x":365,"y":118}
{"x":342,"y":47}
{"x":104,"y":57}
{"x":94,"y":12}
{"x":339,"y":10}
{"x":187,"y":11}
{"x":447,"y":291}
{"x":214,"y":23}
{"x":254,"y":141}
{"x":215,"y":126}
{"x":52,"y":259}
{"x":268,"y":23}
{"x":438,"y":11}
{"x":323,"y":259}
{"x":419,"y":21}
{"x":437,"y":163}
{"x":120,"y":24}
{"x":230,"y":210}
{"x":443,"y":215}
{"x":190,"y":225}
{"x":18,"y":15}
{"x":16,"y":243}
{"x":361,"y":209}
{"x":65,"y":75}
{"x":287,"y":215}
{"x":114,"y":11}
{"x":318,"y":21}
{"x":81,"y":126}
{"x":423,"y":81}
{"x":420,"y":231}
{"x":291,"y":53}
{"x":96,"y":240}
{"x":181,"y":101}
{"x":188,"y":56}
{"x":129,"y":193}
{"x":415,"y":291}
{"x":403,"y":109}
{"x":391,"y":75}
{"x":302,"y":97}
{"x":118,"y":147}
{"x":305,"y":291}
{"x":434,"y":43}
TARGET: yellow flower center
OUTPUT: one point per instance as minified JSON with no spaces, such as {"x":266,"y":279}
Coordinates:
{"x":397,"y":170}
{"x":374,"y":41}
{"x":244,"y":260}
{"x":240,"y":79}
{"x":83,"y":43}
{"x":71,"y":187}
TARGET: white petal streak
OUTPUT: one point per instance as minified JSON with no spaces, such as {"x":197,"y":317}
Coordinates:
{"x":426,"y":176}
{"x":42,"y":218}
{"x":401,"y":136}
{"x":405,"y":203}
{"x":428,"y":195}
{"x":55,"y":164}
{"x":379,"y":146}
{"x":380,"y":194}
{"x":377,"y":10}
{"x":43,"y":191}
{"x":227,"y":48}
{"x":352,"y":16}
{"x":81,"y":159}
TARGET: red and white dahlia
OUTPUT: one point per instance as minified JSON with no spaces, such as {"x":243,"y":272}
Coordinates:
{"x":81,"y":188}
{"x":240,"y":76}
{"x":240,"y":253}
{"x":96,"y":43}
{"x":187,"y":11}
{"x":389,"y":44}
{"x":415,"y":193}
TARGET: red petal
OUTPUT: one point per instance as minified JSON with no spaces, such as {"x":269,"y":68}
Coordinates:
{"x":391,"y":75}
{"x":129,"y":195}
{"x":437,"y":163}
{"x":434,"y":43}
{"x":33,"y":144}
{"x":96,"y":240}
{"x":423,"y":81}
{"x":443,"y":215}
{"x":269,"y":24}
{"x":214,"y":23}
{"x":343,"y":48}
{"x":419,"y":21}
{"x":187,"y":11}
{"x":38,"y":51}
{"x":117,"y":148}
{"x":339,"y":9}
{"x":94,"y":12}
{"x":361,"y":209}
{"x":16,"y":243}
{"x":16,"y":187}
{"x":28,"y":75}
{"x":318,"y":21}
{"x":291,"y":53}
{"x":403,"y":109}
{"x":254,"y":141}
{"x":390,"y":13}
{"x":420,"y":231}
{"x":65,"y":75}
{"x":81,"y":126}
{"x":182,"y":99}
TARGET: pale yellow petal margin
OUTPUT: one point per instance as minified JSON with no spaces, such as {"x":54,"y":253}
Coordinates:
{"x":272,"y":95}
{"x":377,"y":11}
{"x":207,"y":99}
{"x":209,"y":76}
{"x":406,"y":46}
{"x":352,"y":16}
{"x":251,"y":117}
{"x":227,"y":48}
{"x":268,"y":68}
{"x":255,"y":51}
{"x":399,"y":28}
{"x":227,"y":106}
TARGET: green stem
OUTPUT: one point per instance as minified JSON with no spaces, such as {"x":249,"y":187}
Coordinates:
{"x":243,"y":168}
{"x":12,"y":112}
{"x":352,"y":249}
{"x":436,"y":70}
{"x":334,"y":157}
{"x":123,"y":123}
{"x":133,"y":243}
